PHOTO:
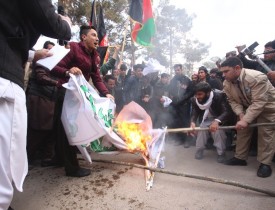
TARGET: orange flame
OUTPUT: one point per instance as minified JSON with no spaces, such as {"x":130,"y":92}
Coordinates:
{"x":134,"y":135}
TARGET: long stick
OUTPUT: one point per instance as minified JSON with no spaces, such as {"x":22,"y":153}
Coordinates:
{"x":211,"y":179}
{"x":185,"y":130}
{"x":124,"y":41}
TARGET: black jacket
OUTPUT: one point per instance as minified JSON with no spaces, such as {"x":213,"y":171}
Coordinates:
{"x":180,"y":90}
{"x":132,"y":89}
{"x":251,"y":64}
{"x":21,"y":23}
{"x":219,"y":108}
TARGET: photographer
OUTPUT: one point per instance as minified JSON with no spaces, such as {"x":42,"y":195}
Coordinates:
{"x":269,"y":60}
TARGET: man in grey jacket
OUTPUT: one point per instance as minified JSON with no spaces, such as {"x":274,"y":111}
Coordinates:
{"x":21,"y":23}
{"x":252,"y":98}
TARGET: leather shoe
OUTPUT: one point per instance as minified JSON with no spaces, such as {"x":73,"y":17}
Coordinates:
{"x":80,"y":172}
{"x":235,"y":162}
{"x":264,"y":171}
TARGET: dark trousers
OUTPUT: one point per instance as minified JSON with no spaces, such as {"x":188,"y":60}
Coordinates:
{"x":66,"y":153}
{"x":40,"y":141}
{"x":180,"y":118}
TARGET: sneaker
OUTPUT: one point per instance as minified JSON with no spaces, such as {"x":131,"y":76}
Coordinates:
{"x":221,"y":158}
{"x":264,"y":171}
{"x":235,"y":162}
{"x":199,"y":154}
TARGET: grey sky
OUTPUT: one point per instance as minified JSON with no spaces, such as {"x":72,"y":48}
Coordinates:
{"x":227,"y":23}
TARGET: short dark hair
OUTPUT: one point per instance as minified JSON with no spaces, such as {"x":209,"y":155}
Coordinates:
{"x":138,"y":66}
{"x":273,"y":44}
{"x":84,"y":29}
{"x":123,"y":67}
{"x":204,"y":69}
{"x":232,"y":62}
{"x":203,"y":86}
{"x":45,"y":46}
{"x":163,"y":75}
{"x":178,"y":65}
{"x":106,"y":78}
{"x":270,"y":44}
{"x":214,"y":71}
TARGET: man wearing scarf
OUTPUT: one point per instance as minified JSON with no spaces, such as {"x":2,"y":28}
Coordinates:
{"x":210,"y":109}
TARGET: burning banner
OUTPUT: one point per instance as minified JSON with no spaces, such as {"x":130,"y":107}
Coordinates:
{"x":88,"y":121}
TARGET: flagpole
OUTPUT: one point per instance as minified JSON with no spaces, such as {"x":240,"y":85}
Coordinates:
{"x":123,"y":43}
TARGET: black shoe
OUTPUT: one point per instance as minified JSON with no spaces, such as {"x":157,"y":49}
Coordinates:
{"x":221,"y":158}
{"x":80,"y":172}
{"x":264,"y":171}
{"x":199,"y":154}
{"x":186,"y":144}
{"x":235,"y":162}
{"x":48,"y":162}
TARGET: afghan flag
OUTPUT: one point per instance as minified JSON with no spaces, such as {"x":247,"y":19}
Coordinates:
{"x":93,"y":21}
{"x":142,"y":15}
{"x":103,"y":54}
{"x":101,"y":30}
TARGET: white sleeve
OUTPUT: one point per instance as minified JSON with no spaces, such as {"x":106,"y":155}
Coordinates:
{"x":31,"y":55}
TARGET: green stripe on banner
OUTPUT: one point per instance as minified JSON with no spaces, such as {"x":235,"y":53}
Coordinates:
{"x":145,"y":35}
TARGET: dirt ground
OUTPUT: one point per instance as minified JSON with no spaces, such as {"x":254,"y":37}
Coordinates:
{"x":123,"y":187}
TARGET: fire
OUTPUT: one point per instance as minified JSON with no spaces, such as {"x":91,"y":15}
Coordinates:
{"x":134,"y":135}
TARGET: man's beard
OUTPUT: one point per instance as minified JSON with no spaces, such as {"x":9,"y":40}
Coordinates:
{"x":203,"y":101}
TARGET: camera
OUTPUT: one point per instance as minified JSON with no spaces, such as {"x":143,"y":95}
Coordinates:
{"x":250,"y":50}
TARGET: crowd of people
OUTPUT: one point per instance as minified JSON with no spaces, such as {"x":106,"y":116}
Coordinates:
{"x":238,"y":92}
{"x":204,"y":101}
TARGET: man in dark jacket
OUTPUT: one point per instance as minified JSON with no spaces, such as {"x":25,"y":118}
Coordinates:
{"x":133,"y":85}
{"x":21,"y":23}
{"x":120,"y":88}
{"x":211,"y":109}
{"x":180,"y":91}
{"x":160,"y":115}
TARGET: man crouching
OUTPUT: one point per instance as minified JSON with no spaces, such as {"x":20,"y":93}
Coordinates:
{"x":210,"y":109}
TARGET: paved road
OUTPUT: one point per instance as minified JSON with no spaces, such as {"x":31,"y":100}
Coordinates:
{"x":123,"y":187}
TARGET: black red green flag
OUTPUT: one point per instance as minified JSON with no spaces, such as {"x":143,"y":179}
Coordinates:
{"x":93,"y":21}
{"x":101,"y":30}
{"x":103,"y":54}
{"x":144,"y":28}
{"x":99,"y":24}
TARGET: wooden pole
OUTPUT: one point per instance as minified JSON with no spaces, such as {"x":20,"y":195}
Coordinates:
{"x":185,"y":130}
{"x":205,"y":178}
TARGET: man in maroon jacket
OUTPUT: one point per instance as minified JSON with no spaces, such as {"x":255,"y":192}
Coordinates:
{"x":82,"y":59}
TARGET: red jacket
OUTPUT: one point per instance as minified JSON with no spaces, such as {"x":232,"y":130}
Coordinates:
{"x":87,"y":62}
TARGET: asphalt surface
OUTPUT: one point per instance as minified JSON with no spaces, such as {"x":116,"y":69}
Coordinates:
{"x":123,"y":187}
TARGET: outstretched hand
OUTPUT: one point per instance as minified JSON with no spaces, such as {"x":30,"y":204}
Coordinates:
{"x":110,"y":97}
{"x":40,"y":54}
